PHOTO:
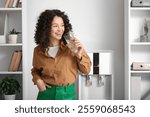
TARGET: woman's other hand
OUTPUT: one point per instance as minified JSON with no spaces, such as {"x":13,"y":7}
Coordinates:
{"x":41,"y":85}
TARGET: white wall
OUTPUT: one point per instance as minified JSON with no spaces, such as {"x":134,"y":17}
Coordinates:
{"x":97,"y":23}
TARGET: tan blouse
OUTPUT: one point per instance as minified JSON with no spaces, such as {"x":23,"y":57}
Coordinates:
{"x":61,"y":70}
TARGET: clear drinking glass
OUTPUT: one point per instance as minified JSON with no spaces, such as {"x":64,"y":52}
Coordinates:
{"x":70,"y":41}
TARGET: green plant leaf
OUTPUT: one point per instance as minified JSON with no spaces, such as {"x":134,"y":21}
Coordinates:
{"x":9,"y":86}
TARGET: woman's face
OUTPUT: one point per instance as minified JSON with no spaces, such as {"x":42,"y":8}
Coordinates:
{"x":57,"y":28}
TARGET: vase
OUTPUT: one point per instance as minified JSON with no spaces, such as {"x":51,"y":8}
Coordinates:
{"x":12,"y":38}
{"x":10,"y":97}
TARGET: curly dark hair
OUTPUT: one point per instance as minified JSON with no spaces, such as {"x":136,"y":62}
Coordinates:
{"x":43,"y":26}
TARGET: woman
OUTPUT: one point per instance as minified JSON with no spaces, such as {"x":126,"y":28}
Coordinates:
{"x":55,"y":66}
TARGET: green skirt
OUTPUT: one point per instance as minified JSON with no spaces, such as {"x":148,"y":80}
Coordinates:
{"x":58,"y":93}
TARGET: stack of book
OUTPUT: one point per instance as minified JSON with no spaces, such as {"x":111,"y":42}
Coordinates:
{"x":13,"y":3}
{"x":15,"y":61}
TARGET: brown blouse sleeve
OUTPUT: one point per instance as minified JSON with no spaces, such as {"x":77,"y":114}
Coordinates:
{"x":36,"y":73}
{"x":84,"y":64}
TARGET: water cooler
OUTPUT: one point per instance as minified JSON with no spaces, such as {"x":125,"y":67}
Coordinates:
{"x":98,"y":85}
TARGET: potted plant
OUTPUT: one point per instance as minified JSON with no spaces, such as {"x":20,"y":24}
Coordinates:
{"x":13,"y":35}
{"x":9,"y":87}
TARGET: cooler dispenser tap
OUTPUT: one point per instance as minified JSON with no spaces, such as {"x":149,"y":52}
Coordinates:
{"x":100,"y":81}
{"x":88,"y":80}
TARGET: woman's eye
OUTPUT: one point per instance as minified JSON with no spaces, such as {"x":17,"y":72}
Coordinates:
{"x":54,"y":26}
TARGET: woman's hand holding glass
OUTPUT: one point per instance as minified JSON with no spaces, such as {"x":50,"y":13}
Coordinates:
{"x":75,"y":45}
{"x":79,"y":49}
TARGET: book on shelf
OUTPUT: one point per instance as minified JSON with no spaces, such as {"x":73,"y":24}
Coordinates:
{"x":15,"y":61}
{"x":7,"y":3}
{"x":20,"y":4}
{"x":15,"y":3}
{"x":12,"y":3}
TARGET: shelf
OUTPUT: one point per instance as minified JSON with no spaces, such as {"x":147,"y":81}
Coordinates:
{"x":140,"y":43}
{"x":8,"y":72}
{"x":11,"y":18}
{"x":140,"y":8}
{"x":10,"y":9}
{"x":7,"y":44}
{"x":136,"y":51}
{"x":140,"y":72}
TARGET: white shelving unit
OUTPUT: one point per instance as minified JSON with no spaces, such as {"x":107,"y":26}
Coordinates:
{"x":136,"y":51}
{"x":10,"y":18}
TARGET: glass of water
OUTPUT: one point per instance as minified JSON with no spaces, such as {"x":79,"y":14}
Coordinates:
{"x":70,"y":42}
